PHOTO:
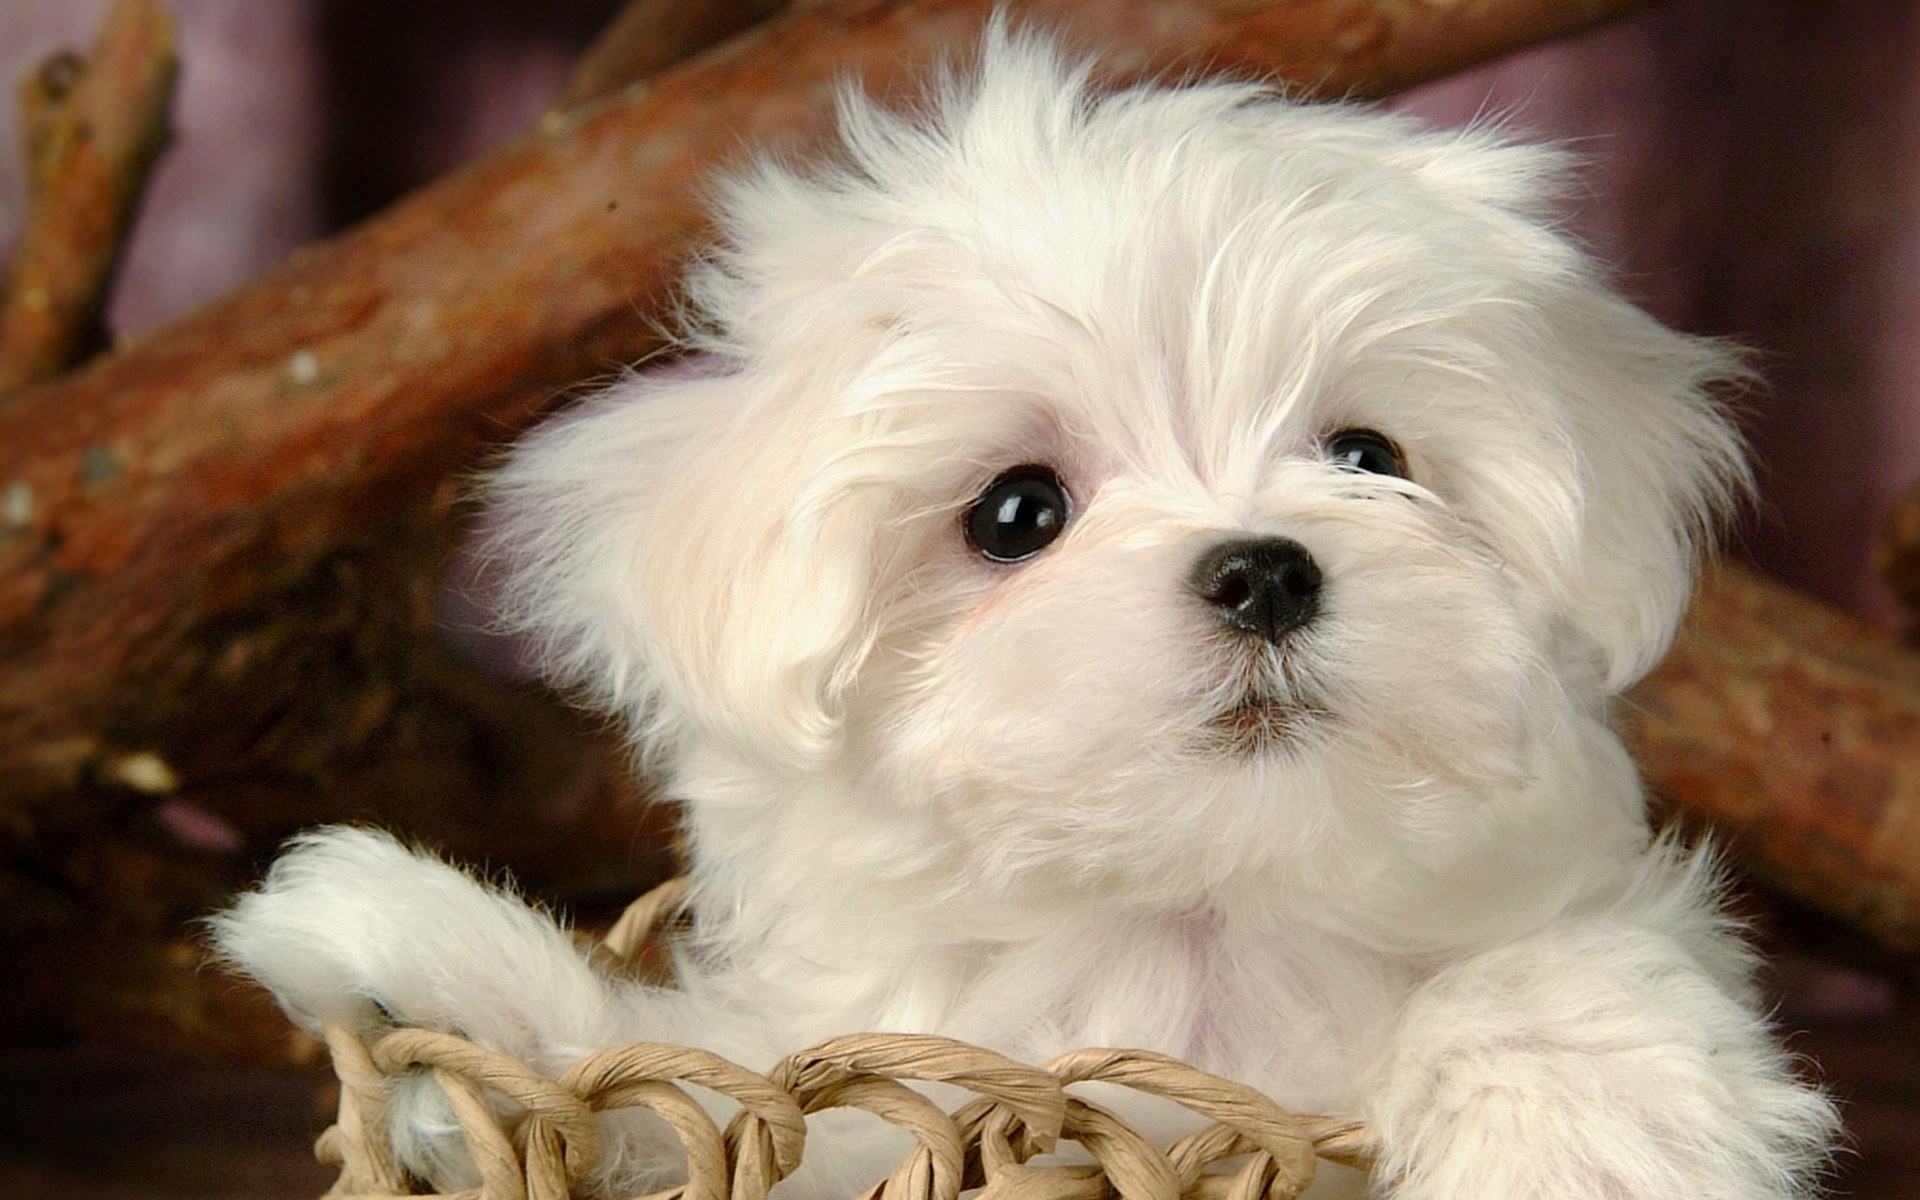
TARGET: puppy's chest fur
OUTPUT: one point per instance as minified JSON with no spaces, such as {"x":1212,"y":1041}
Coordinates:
{"x":1297,"y":1015}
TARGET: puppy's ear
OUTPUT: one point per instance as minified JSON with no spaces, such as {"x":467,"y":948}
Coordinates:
{"x":1661,"y":467}
{"x":662,"y":548}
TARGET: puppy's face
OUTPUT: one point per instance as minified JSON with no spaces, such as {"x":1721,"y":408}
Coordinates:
{"x":1178,"y":486}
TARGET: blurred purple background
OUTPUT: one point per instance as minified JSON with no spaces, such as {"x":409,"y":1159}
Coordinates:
{"x":1752,"y":172}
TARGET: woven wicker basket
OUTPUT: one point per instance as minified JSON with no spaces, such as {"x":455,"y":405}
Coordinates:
{"x":1252,"y":1149}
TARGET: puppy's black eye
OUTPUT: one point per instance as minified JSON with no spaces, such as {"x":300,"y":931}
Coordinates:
{"x":1366,"y":450}
{"x":1018,"y":515}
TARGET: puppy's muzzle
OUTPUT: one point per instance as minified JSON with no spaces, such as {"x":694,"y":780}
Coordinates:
{"x":1265,"y":586}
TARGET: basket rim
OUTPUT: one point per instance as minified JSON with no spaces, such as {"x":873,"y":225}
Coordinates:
{"x":535,"y":1137}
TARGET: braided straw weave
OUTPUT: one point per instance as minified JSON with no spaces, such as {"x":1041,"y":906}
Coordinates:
{"x":1252,"y":1150}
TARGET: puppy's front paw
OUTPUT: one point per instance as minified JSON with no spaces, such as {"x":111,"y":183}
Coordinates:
{"x":353,"y":928}
{"x":1605,"y":1063}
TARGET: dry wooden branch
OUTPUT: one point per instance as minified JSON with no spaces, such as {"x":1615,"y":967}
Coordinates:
{"x":1795,"y":730}
{"x":93,"y":128}
{"x":648,"y":36}
{"x":1897,"y":553}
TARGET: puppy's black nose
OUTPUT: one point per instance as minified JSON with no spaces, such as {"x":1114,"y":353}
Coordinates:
{"x":1261,"y":585}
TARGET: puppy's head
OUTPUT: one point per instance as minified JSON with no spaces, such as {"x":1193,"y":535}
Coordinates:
{"x":1171,"y":482}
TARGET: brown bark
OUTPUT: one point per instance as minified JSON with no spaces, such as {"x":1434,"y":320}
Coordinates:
{"x":1897,"y":554}
{"x":1795,"y":730}
{"x":648,"y":36}
{"x":93,"y":128}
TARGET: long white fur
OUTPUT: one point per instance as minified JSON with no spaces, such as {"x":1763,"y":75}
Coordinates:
{"x":925,"y":792}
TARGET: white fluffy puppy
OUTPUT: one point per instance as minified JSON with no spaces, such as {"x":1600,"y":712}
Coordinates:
{"x":1144,"y":569}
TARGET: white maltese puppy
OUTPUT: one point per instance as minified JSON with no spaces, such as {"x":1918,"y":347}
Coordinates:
{"x":1149,"y":570}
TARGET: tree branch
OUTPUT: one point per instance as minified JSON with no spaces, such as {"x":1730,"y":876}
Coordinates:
{"x":1795,"y":730}
{"x":648,"y":36}
{"x":1897,"y":553}
{"x":93,"y":128}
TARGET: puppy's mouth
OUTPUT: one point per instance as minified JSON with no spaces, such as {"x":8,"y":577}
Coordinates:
{"x":1258,"y":722}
